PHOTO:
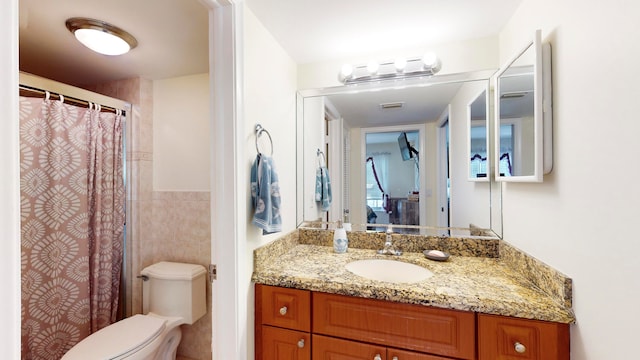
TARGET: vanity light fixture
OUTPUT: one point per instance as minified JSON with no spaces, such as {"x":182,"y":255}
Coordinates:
{"x":100,"y":36}
{"x":400,"y":68}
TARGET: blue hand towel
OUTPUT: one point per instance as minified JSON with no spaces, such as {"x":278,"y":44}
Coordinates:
{"x":265,"y":194}
{"x":323,"y":188}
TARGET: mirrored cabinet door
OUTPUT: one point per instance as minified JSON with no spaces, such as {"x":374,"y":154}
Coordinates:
{"x":523,"y":115}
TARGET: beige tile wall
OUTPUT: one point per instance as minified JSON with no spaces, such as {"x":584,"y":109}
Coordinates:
{"x":170,"y":226}
{"x":182,"y":233}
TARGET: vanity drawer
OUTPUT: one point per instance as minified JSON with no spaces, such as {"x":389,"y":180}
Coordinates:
{"x":283,"y":307}
{"x":327,"y":348}
{"x":413,"y":327}
{"x":505,"y":338}
{"x":395,"y":354}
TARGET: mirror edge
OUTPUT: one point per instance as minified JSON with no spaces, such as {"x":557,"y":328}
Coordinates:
{"x":547,"y":107}
{"x":299,"y":158}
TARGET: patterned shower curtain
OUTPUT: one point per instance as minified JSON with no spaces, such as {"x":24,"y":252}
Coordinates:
{"x":72,"y":212}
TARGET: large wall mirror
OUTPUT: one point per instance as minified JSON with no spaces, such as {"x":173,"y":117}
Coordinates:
{"x":415,"y":134}
{"x":523,"y":115}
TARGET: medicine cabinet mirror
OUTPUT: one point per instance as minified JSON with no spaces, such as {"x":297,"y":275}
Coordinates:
{"x":523,"y":137}
{"x":478,"y":138}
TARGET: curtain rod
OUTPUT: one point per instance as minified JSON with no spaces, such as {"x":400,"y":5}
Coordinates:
{"x":70,"y":99}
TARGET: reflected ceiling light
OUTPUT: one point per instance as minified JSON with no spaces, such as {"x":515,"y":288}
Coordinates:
{"x":100,"y":36}
{"x":399,"y":69}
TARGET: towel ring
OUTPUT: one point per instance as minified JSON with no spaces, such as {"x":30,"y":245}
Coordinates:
{"x":259,"y":131}
{"x":324,"y":159}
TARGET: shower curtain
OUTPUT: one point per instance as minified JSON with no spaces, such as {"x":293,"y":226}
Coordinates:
{"x":72,"y":213}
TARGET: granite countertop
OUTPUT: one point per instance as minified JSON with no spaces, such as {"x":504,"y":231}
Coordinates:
{"x":470,"y":283}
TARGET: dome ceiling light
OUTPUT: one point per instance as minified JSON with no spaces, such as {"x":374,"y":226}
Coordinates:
{"x":101,"y":37}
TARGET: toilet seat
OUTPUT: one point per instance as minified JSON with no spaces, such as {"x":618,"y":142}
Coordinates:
{"x":119,"y":340}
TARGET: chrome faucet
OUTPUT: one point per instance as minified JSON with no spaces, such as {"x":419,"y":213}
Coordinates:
{"x":388,"y":245}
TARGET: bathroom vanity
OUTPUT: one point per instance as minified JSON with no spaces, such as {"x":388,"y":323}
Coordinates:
{"x":473,"y":307}
{"x":359,"y":328}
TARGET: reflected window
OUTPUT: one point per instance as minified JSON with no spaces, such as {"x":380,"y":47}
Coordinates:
{"x":478,"y":158}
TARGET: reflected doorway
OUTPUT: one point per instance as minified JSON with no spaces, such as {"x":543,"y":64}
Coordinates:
{"x":392,"y":178}
{"x":444,"y":180}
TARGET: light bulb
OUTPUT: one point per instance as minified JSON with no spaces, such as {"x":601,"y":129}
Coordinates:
{"x":346,"y":72}
{"x":102,"y":42}
{"x":372,"y":67}
{"x":400,"y":64}
{"x":430,"y":60}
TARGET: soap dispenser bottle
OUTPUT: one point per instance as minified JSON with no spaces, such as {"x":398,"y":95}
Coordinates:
{"x":340,"y":241}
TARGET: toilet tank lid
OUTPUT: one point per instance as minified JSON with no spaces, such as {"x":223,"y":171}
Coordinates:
{"x":174,"y":271}
{"x":120,"y":338}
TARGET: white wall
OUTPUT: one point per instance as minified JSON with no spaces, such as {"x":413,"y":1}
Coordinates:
{"x":9,"y":182}
{"x":269,"y":99}
{"x":181,"y":141}
{"x":582,"y":219}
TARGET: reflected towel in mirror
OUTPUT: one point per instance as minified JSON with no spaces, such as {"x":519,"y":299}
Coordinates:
{"x":323,"y":188}
{"x":265,"y":195}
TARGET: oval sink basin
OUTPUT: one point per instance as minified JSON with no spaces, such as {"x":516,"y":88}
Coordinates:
{"x":389,"y":270}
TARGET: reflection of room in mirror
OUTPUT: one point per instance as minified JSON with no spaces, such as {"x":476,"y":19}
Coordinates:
{"x":454,"y":202}
{"x":478,"y":139}
{"x":392,"y":178}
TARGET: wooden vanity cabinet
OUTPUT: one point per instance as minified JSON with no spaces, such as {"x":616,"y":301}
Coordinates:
{"x":294,"y":324}
{"x":506,"y":338}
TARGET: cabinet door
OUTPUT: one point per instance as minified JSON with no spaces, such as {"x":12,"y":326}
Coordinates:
{"x":327,"y":348}
{"x":282,"y":344}
{"x":396,"y":354}
{"x":413,"y":327}
{"x":283,"y":307}
{"x":506,"y":338}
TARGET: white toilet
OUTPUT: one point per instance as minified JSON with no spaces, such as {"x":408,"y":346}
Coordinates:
{"x":172,"y":294}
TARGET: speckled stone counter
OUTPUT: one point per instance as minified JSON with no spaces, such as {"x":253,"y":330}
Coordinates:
{"x":481,"y":283}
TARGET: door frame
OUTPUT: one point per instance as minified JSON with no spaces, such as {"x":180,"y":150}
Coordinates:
{"x":443,"y":170}
{"x":228,"y":245}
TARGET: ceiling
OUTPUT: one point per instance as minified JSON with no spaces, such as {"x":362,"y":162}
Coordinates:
{"x":335,"y":29}
{"x":173,"y":34}
{"x":321,"y":30}
{"x":172,"y":38}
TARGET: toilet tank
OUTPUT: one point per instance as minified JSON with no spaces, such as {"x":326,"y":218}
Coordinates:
{"x":175,"y":289}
